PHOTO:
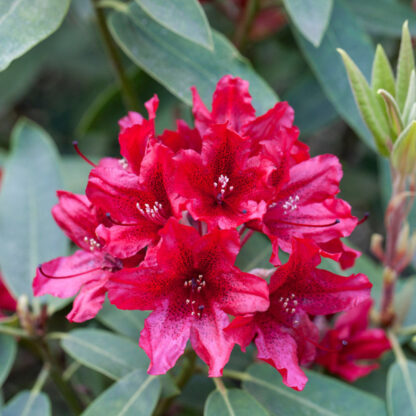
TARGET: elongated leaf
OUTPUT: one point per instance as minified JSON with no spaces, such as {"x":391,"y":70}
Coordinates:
{"x":232,"y":402}
{"x":183,"y":17}
{"x":311,"y":17}
{"x":28,"y":233}
{"x":404,"y":150}
{"x":405,"y":66}
{"x":313,"y":110}
{"x":110,"y":354}
{"x":255,"y":254}
{"x":322,"y":396}
{"x":134,"y":395}
{"x":8,"y":350}
{"x":401,"y":389}
{"x":383,"y":17}
{"x":368,"y":103}
{"x":382,"y":73}
{"x":128,"y":323}
{"x":24,"y":23}
{"x":28,"y":403}
{"x":178,"y":64}
{"x":343,"y":32}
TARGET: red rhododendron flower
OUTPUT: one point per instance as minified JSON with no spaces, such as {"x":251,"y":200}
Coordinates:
{"x":135,"y":132}
{"x":7,"y":302}
{"x":284,"y":335}
{"x":306,"y":207}
{"x":223,"y":185}
{"x":139,"y":205}
{"x":191,"y":284}
{"x":87,"y":271}
{"x":349,"y":349}
{"x":183,"y":138}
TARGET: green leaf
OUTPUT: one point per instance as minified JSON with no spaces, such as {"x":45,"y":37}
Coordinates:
{"x":404,"y":150}
{"x":128,"y":323}
{"x":322,"y":396}
{"x":368,"y":104}
{"x":401,"y":389}
{"x":405,"y":66}
{"x":136,"y":394}
{"x":110,"y":354}
{"x":410,"y":100}
{"x":393,"y":113}
{"x":343,"y":32}
{"x":312,"y":108}
{"x":29,"y":235}
{"x":24,"y":23}
{"x":255,"y":253}
{"x":232,"y":402}
{"x":28,"y":403}
{"x":383,"y":17}
{"x":382,"y":73}
{"x":311,"y":17}
{"x":8,"y":348}
{"x":186,"y":18}
{"x":178,"y":63}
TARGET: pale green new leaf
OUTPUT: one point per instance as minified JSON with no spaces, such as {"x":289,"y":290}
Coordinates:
{"x":24,"y":23}
{"x":28,"y":403}
{"x":233,"y":402}
{"x":393,"y":113}
{"x":382,"y":75}
{"x":405,"y":66}
{"x":322,"y":395}
{"x":404,"y":150}
{"x":410,"y":99}
{"x":311,"y":17}
{"x":183,"y":17}
{"x":368,"y":104}
{"x":134,"y":395}
{"x":401,"y":389}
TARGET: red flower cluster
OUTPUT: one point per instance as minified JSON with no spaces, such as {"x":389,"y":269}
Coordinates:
{"x":160,"y":230}
{"x":7,"y":302}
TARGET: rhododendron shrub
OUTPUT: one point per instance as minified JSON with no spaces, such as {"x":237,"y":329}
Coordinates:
{"x":232,"y":231}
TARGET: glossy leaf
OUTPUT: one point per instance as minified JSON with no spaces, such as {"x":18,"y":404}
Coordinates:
{"x":28,"y":403}
{"x":8,"y":349}
{"x":128,"y":323}
{"x":311,"y":17}
{"x":367,"y":102}
{"x":178,"y":63}
{"x":110,"y":354}
{"x":401,"y":389}
{"x":343,"y":32}
{"x":24,"y":23}
{"x":405,"y":66}
{"x":232,"y":402}
{"x":383,"y":17}
{"x":322,"y":396}
{"x":136,"y":394}
{"x":183,"y":17}
{"x":28,"y":233}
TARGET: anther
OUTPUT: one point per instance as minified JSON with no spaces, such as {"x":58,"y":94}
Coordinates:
{"x":187,"y":301}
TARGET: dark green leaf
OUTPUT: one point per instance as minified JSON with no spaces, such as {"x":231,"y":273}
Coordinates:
{"x":8,"y":350}
{"x":24,"y":23}
{"x":29,"y":235}
{"x":128,"y":323}
{"x":183,"y":17}
{"x":255,"y":254}
{"x":232,"y":402}
{"x":343,"y":32}
{"x":401,"y":389}
{"x":28,"y":404}
{"x":322,"y":396}
{"x":383,"y":17}
{"x":178,"y":64}
{"x":136,"y":394}
{"x":110,"y":354}
{"x":311,"y":17}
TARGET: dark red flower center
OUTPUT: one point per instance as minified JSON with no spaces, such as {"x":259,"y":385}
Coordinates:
{"x":195,"y":287}
{"x":222,"y":188}
{"x":156,"y":213}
